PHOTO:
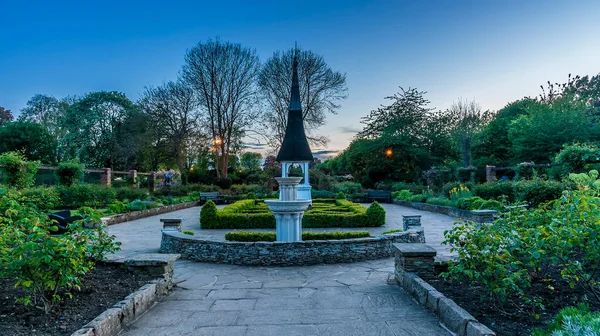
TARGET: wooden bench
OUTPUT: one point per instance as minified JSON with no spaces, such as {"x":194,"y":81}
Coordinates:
{"x":211,"y":196}
{"x":379,"y":195}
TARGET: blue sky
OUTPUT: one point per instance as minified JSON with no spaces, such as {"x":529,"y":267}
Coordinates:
{"x":489,"y":50}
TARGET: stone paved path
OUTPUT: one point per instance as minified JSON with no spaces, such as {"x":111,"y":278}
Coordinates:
{"x":337,"y":299}
{"x":340,"y":299}
{"x":143,"y":235}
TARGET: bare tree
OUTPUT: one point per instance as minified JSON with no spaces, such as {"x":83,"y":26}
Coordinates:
{"x":174,"y":112}
{"x":321,"y":90}
{"x":224,"y":77}
{"x":468,"y":118}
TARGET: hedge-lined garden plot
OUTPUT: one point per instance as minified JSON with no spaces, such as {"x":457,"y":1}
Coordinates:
{"x":254,"y":214}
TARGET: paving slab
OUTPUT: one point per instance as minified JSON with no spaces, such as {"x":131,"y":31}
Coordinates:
{"x":334,"y":299}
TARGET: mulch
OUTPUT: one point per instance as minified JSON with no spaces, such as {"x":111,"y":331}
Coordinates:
{"x":104,"y":286}
{"x":506,"y":320}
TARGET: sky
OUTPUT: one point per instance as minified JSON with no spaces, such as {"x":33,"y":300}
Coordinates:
{"x":491,"y":51}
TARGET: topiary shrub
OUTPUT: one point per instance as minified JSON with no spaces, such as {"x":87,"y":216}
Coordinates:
{"x":208,"y":215}
{"x":17,"y":171}
{"x":252,"y":236}
{"x":340,"y":196}
{"x":70,"y":172}
{"x":376,"y":214}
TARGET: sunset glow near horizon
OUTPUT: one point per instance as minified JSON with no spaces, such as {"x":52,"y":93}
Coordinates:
{"x":493,"y":52}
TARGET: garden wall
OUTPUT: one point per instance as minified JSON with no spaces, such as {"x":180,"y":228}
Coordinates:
{"x":129,"y":216}
{"x":478,"y":216}
{"x":285,"y":253}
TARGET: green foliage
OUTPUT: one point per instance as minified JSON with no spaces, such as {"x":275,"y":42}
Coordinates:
{"x":89,"y":195}
{"x":346,"y":187}
{"x":188,"y":232}
{"x":117,"y":207}
{"x":490,"y":205}
{"x":132,"y":193}
{"x":321,"y":194}
{"x":540,"y":133}
{"x":136,"y":205}
{"x":208,"y":215}
{"x":419,"y":198}
{"x":43,"y":198}
{"x":250,"y":161}
{"x":524,"y":170}
{"x":459,"y":192}
{"x":523,"y":248}
{"x":340,"y":196}
{"x":404,"y":195}
{"x":249,"y":214}
{"x":17,"y":171}
{"x":456,"y":185}
{"x":47,"y":267}
{"x":470,"y":203}
{"x":223,"y":182}
{"x":31,"y":139}
{"x":376,"y":214}
{"x":441,"y":201}
{"x":252,"y":236}
{"x":496,"y":190}
{"x":70,"y":172}
{"x":392,"y":231}
{"x":572,"y":321}
{"x":575,"y":157}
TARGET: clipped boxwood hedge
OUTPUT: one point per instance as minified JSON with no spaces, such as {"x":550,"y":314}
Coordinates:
{"x":254,"y":214}
{"x":251,"y":236}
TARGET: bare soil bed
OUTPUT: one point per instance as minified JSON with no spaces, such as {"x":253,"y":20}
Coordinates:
{"x":104,"y":286}
{"x":505,"y":320}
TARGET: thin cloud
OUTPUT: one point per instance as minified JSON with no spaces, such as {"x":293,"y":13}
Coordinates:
{"x":349,"y":129}
{"x":324,"y":152}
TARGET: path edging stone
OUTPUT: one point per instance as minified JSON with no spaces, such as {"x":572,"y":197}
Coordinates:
{"x":478,"y":216}
{"x":122,"y":313}
{"x":133,"y":215}
{"x":415,"y":260}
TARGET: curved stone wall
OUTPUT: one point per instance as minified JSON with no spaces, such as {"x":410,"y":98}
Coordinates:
{"x":285,"y":253}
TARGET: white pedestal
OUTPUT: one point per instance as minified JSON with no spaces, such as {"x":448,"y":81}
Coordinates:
{"x":289,"y":226}
{"x":304,"y":192}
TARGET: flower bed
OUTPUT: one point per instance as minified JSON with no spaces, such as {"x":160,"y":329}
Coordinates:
{"x":248,"y":214}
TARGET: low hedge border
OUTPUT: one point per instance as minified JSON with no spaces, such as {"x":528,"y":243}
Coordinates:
{"x":251,"y":236}
{"x":233,"y":217}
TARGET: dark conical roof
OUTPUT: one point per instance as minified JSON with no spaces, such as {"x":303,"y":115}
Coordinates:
{"x":295,"y":147}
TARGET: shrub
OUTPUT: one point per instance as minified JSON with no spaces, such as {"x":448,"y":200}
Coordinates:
{"x":47,"y":267}
{"x":496,"y":190}
{"x":208,"y":215}
{"x":459,"y":192}
{"x":392,"y":231}
{"x":43,"y":198}
{"x":70,"y":172}
{"x":441,"y":201}
{"x":117,"y":207}
{"x":574,"y":158}
{"x":252,"y":236}
{"x":418,"y":198}
{"x":538,"y":191}
{"x":89,"y":195}
{"x":188,"y":232}
{"x":131,"y":193}
{"x":17,"y":171}
{"x":404,"y":195}
{"x":223,"y":182}
{"x":572,"y":321}
{"x":250,"y":195}
{"x":136,"y":205}
{"x":468,"y":203}
{"x":376,"y":214}
{"x":490,"y":205}
{"x":340,"y":196}
{"x":524,"y":247}
{"x":347,"y":187}
{"x":321,"y":194}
